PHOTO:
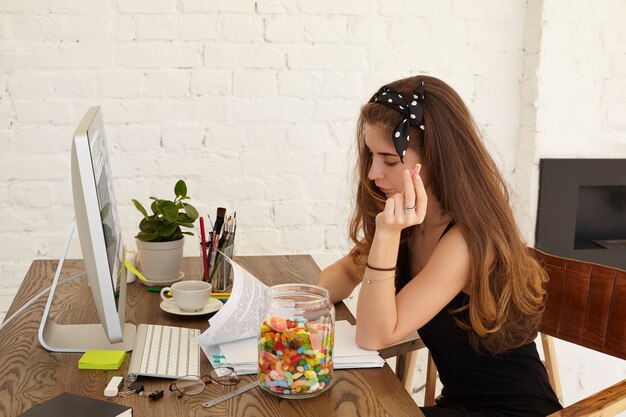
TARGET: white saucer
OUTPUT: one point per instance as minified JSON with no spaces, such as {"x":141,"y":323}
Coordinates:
{"x":211,"y":306}
{"x":180,"y":276}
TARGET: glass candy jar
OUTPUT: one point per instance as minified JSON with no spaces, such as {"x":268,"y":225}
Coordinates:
{"x":296,"y":341}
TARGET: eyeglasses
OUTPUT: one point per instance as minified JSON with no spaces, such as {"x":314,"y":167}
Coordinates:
{"x":194,"y":384}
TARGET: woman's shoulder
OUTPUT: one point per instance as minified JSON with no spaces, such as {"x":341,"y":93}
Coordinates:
{"x":449,"y":260}
{"x":452,"y":249}
{"x":452,"y":240}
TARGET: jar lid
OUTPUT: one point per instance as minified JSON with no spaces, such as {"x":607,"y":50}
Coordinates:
{"x":299,"y":292}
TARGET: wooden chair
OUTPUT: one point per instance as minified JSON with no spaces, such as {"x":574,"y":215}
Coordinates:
{"x":405,"y":368}
{"x":405,"y":361}
{"x":586,"y":305}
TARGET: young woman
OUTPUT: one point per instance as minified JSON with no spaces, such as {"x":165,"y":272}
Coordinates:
{"x":437,"y":250}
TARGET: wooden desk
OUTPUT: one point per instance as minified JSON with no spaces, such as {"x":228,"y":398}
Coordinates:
{"x":29,"y":374}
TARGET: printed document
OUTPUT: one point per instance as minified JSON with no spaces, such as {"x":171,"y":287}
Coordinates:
{"x":239,"y":317}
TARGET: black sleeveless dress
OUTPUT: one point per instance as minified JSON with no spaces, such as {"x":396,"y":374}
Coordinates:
{"x":511,"y":384}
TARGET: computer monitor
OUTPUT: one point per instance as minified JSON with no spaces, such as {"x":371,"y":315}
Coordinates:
{"x":102,"y":248}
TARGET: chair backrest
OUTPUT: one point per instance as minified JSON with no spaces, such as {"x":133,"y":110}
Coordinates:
{"x":586,"y":303}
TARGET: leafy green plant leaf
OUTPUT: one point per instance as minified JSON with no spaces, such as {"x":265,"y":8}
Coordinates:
{"x":183,"y":218}
{"x":139,"y":207}
{"x":164,"y":228}
{"x":147,"y":237}
{"x":147,"y":225}
{"x":191,"y":211}
{"x":168,"y":210}
{"x":180,"y":189}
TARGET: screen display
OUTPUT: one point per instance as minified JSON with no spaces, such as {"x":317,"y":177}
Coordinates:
{"x":601,"y":215}
{"x":106,"y":203}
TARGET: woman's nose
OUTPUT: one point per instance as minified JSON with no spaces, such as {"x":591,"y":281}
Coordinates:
{"x":374,"y":172}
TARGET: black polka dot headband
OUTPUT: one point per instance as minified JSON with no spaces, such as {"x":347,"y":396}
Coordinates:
{"x":413,"y":112}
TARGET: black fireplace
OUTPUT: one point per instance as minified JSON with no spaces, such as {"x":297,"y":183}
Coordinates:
{"x":582,"y":210}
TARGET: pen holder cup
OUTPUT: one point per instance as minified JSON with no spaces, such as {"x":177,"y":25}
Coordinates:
{"x":221,"y":275}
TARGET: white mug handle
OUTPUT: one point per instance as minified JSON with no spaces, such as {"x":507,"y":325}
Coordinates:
{"x":164,"y":291}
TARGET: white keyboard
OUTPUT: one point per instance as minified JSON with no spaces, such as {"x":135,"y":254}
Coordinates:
{"x":165,"y":352}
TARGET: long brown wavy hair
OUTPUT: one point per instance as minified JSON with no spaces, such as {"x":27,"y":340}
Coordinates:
{"x":507,"y":294}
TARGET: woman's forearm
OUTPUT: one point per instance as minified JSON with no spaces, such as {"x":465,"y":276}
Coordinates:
{"x":337,"y":280}
{"x":376,"y":308}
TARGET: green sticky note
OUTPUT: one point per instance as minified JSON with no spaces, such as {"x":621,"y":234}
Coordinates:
{"x":102,"y":359}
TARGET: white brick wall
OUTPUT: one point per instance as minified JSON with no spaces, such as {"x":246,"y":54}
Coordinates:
{"x":254,"y":104}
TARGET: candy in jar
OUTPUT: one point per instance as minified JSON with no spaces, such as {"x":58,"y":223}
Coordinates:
{"x":296,"y":341}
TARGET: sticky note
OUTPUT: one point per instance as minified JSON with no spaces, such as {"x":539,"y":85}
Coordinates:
{"x":102,"y":359}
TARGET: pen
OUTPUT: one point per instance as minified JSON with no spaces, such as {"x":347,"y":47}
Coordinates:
{"x":214,"y":247}
{"x":217,"y":230}
{"x":158,"y":289}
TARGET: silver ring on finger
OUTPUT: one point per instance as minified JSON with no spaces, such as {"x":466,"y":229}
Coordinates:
{"x":410,"y":208}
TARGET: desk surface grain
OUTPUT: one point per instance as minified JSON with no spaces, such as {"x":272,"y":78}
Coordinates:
{"x":29,"y":374}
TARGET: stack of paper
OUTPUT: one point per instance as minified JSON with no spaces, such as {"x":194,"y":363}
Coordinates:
{"x":348,"y":354}
{"x":231,"y":339}
{"x":240,"y":354}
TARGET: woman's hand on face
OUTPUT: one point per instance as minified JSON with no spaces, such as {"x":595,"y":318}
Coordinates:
{"x":407,"y":208}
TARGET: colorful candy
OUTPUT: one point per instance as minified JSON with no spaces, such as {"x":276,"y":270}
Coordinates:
{"x":295,"y":356}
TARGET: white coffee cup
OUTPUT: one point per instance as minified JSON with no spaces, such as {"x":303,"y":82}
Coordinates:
{"x":188,"y":295}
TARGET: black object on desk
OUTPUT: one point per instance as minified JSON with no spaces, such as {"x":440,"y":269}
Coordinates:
{"x":72,"y":405}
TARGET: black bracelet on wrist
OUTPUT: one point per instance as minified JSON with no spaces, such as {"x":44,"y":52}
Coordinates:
{"x":379,"y":269}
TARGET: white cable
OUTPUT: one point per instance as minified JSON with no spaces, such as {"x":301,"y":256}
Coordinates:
{"x":35,"y":298}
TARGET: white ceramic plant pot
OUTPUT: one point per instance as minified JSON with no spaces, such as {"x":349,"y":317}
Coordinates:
{"x":160,"y":261}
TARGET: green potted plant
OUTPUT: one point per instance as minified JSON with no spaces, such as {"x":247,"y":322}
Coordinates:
{"x":160,"y":240}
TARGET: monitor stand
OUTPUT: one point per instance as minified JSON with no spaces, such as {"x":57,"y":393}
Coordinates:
{"x":81,"y":337}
